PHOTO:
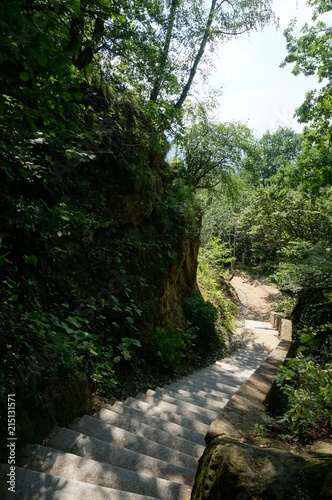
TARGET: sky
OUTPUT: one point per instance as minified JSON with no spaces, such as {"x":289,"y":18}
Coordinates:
{"x":255,"y":90}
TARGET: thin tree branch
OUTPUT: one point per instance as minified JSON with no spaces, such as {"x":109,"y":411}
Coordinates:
{"x":198,"y":57}
{"x":164,"y":53}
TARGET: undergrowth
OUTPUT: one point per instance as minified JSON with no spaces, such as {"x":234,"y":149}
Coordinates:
{"x":213,"y":281}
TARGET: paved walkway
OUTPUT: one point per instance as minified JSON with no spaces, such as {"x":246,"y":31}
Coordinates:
{"x":146,"y":447}
{"x":254,"y":332}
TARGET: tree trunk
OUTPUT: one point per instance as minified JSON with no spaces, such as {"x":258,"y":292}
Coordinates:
{"x":234,"y":247}
{"x":76,"y":35}
{"x":85,"y":56}
{"x":164,"y":53}
{"x":198,"y":57}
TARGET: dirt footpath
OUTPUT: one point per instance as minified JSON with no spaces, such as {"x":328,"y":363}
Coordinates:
{"x":254,"y":332}
{"x":256,"y":298}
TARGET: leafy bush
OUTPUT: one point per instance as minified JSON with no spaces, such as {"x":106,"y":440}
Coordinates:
{"x":175,"y":345}
{"x":308,"y":389}
{"x":203,"y":315}
{"x":216,"y":253}
{"x":170,"y":346}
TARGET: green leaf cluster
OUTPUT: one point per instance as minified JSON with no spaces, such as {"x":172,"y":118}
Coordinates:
{"x":308,"y":389}
{"x":170,"y":346}
{"x":202,"y":315}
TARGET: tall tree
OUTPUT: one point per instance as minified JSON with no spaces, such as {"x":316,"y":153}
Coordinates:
{"x":205,"y":38}
{"x":225,"y":20}
{"x":279,"y":149}
{"x":190,"y":29}
{"x":214,"y":151}
{"x":311,"y":54}
{"x":161,"y":67}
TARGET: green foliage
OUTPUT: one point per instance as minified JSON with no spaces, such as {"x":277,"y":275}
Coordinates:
{"x":274,"y":218}
{"x":202,"y":315}
{"x":176,"y":347}
{"x":311,"y":54}
{"x":279,"y":149}
{"x":222,"y":211}
{"x":212,"y":258}
{"x":216,"y":253}
{"x":214,"y":151}
{"x":126,"y":348}
{"x":308,"y":389}
{"x":170,"y":346}
{"x":305,"y":265}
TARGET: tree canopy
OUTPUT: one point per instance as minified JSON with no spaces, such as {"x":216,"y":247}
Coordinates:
{"x":280,"y":224}
{"x":279,"y":149}
{"x":213,"y":152}
{"x":311,"y":54}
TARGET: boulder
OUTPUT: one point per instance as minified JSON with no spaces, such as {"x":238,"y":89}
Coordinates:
{"x":231,"y":470}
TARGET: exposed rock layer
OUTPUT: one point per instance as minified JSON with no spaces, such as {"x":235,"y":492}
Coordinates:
{"x":232,"y":470}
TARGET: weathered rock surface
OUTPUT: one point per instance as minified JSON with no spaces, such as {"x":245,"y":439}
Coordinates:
{"x":180,"y":283}
{"x":232,"y":470}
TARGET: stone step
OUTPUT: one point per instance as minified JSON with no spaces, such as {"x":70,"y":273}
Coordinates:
{"x":169,"y":416}
{"x":219,"y":368}
{"x":236,"y":365}
{"x":186,"y":396}
{"x":115,"y":435}
{"x":154,"y":434}
{"x":195,"y":387}
{"x":228,"y":382}
{"x":261,"y":325}
{"x":159,"y":423}
{"x":227,"y":376}
{"x":206,"y":379}
{"x":180,"y":403}
{"x":218,"y":400}
{"x":72,"y":467}
{"x":215,"y":397}
{"x":193,"y":381}
{"x":225,"y":385}
{"x":234,"y":370}
{"x":177,"y":409}
{"x":146,"y":448}
{"x":32,"y":485}
{"x":243,"y":358}
{"x":87,"y":446}
{"x":208,"y":383}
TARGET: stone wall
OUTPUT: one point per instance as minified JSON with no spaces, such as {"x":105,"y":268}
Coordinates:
{"x":247,"y":407}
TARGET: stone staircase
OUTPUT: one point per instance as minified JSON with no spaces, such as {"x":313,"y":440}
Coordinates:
{"x":146,"y":447}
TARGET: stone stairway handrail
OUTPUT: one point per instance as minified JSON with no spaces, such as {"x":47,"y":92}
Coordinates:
{"x":248,"y":406}
{"x":284,"y":326}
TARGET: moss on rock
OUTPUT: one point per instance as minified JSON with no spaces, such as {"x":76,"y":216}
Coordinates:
{"x":230,"y":470}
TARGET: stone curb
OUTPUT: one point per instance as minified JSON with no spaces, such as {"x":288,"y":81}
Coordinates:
{"x":248,"y":406}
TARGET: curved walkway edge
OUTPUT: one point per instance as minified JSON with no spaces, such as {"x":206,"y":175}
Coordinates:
{"x":248,"y":406}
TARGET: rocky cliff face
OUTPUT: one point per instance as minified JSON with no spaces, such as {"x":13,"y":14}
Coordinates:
{"x":180,"y":283}
{"x":149,"y":244}
{"x":110,"y":251}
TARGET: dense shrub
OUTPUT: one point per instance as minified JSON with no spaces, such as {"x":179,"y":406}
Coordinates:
{"x":308,"y":390}
{"x":170,"y":346}
{"x":203,"y":315}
